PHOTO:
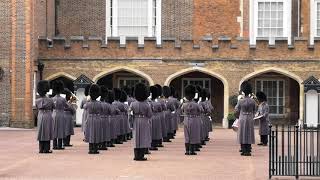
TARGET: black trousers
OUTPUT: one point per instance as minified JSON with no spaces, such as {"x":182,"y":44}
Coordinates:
{"x":246,"y":148}
{"x":264,"y":139}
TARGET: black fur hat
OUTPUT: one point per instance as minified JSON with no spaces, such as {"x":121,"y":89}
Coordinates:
{"x":110,"y":97}
{"x":94,"y":91}
{"x":68,"y":94}
{"x":247,"y":89}
{"x":190,"y":92}
{"x":104,"y":93}
{"x":117,"y":93}
{"x":127,"y":90}
{"x":203,"y":94}
{"x":86,"y":90}
{"x":261,"y":96}
{"x":43,"y":87}
{"x":173,"y":91}
{"x":154,"y":92}
{"x":57,"y":87}
{"x":123,"y":97}
{"x":166,"y":91}
{"x":141,"y":92}
{"x":159,"y":89}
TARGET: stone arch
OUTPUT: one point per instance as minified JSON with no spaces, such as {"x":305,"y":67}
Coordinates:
{"x":285,"y":73}
{"x":123,"y":68}
{"x":60,"y":74}
{"x":211,"y":73}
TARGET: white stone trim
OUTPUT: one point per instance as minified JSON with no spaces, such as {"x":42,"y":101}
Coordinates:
{"x":313,"y":19}
{"x":108,"y":16}
{"x":158,"y":18}
{"x":115,"y":18}
{"x":150,"y":17}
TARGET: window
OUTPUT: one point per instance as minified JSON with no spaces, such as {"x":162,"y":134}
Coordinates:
{"x":133,"y":18}
{"x":202,"y":82}
{"x":270,"y":19}
{"x":318,"y":19}
{"x":274,"y":89}
{"x":130,"y":82}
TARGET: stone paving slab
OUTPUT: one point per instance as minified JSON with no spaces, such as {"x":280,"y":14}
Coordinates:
{"x":219,"y":160}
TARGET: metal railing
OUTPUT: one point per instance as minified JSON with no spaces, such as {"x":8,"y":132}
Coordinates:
{"x":294,"y":151}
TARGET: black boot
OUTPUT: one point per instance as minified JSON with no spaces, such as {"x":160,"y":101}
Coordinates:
{"x":146,"y":151}
{"x":103,"y":146}
{"x":203,"y":143}
{"x":68,"y":141}
{"x":109,"y":144}
{"x":47,"y":147}
{"x":55,"y":143}
{"x":153,"y":146}
{"x":187,"y":146}
{"x":41,"y":146}
{"x":207,"y":139}
{"x":124,"y":138}
{"x":60,"y":146}
{"x":192,"y":149}
{"x":141,"y":154}
{"x":159,"y":143}
{"x":196,"y":147}
{"x":113,"y":142}
{"x":91,"y":149}
{"x":95,"y":148}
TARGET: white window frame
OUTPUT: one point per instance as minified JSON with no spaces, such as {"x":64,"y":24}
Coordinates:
{"x":194,"y":79}
{"x":284,"y":93}
{"x":124,"y":79}
{"x":313,"y":20}
{"x":113,"y":31}
{"x":287,"y":7}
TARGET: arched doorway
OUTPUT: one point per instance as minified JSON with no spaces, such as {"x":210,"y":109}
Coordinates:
{"x":68,"y":83}
{"x":204,"y":78}
{"x":283,"y":91}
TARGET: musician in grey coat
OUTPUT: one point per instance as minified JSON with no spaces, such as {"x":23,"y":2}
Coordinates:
{"x":120,"y":130}
{"x":142,"y":114}
{"x":125,"y":117}
{"x":192,"y":118}
{"x":130,"y":99}
{"x":156,"y":118}
{"x":69,"y":112}
{"x":163,"y":118}
{"x":246,"y":109}
{"x":263,"y":111}
{"x":84,"y":113}
{"x":209,"y":104}
{"x":170,"y":119}
{"x":93,"y":127}
{"x":114,"y":112}
{"x":105,"y":119}
{"x":176,"y":104}
{"x":204,"y":116}
{"x":45,"y":107}
{"x":60,"y":104}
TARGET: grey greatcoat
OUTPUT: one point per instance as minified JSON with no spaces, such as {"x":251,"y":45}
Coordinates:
{"x":264,"y":120}
{"x":45,"y":106}
{"x":142,"y":114}
{"x":156,"y":120}
{"x":192,"y":122}
{"x":69,"y":112}
{"x":84,"y":114}
{"x":247,"y":108}
{"x":204,"y":120}
{"x":120,"y":118}
{"x":163,"y":118}
{"x":114,"y":129}
{"x":176,"y":114}
{"x":93,"y":127}
{"x":127,"y":128}
{"x":105,"y":121}
{"x":170,"y":115}
{"x":210,"y":111}
{"x":59,"y":121}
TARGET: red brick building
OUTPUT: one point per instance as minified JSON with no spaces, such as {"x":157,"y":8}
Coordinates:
{"x":215,"y":44}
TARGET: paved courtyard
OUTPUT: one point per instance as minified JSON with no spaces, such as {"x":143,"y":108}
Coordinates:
{"x":220,"y":159}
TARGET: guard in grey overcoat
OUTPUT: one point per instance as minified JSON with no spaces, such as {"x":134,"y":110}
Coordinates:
{"x":130,"y":99}
{"x":176,"y":104}
{"x":209,"y":104}
{"x":142,"y":114}
{"x":69,"y":112}
{"x":126,"y":126}
{"x":114,"y":112}
{"x":263,"y":111}
{"x":163,"y":118}
{"x":60,"y":104}
{"x":192,"y":118}
{"x":93,"y":127}
{"x":105,"y":119}
{"x":170,"y":119}
{"x":119,"y":120}
{"x":204,"y":116}
{"x":84,"y":113}
{"x":45,"y":107}
{"x":156,"y":118}
{"x":246,"y":109}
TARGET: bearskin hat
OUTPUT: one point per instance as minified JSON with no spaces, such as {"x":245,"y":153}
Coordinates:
{"x":141,"y":92}
{"x":242,"y":86}
{"x":127,"y":90}
{"x":104,"y":93}
{"x":68,"y":93}
{"x":166,"y":91}
{"x":86,"y":90}
{"x":261,"y":96}
{"x":110,"y":97}
{"x":117,"y":93}
{"x":94,"y":91}
{"x":123,"y":97}
{"x":57,"y":87}
{"x":190,"y":92}
{"x":247,"y":88}
{"x":43,"y":87}
{"x":154,"y":92}
{"x":159,"y":89}
{"x":173,"y":91}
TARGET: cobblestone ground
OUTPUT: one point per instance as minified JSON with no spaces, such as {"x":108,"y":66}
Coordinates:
{"x":219,"y":159}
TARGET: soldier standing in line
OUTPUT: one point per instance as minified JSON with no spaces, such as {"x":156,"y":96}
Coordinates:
{"x":105,"y":116}
{"x":60,"y":104}
{"x":45,"y":107}
{"x":170,"y":112}
{"x":142,"y":114}
{"x":84,"y":113}
{"x":93,"y":127}
{"x":263,"y":113}
{"x":163,"y":117}
{"x":126,"y":126}
{"x":156,"y":119}
{"x":176,"y":115}
{"x":120,"y":121}
{"x":191,"y":111}
{"x":205,"y":118}
{"x":114,"y":112}
{"x":210,"y":111}
{"x":130,"y":99}
{"x":197,"y":100}
{"x":69,"y":111}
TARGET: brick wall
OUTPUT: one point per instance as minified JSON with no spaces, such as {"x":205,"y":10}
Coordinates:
{"x":5,"y":44}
